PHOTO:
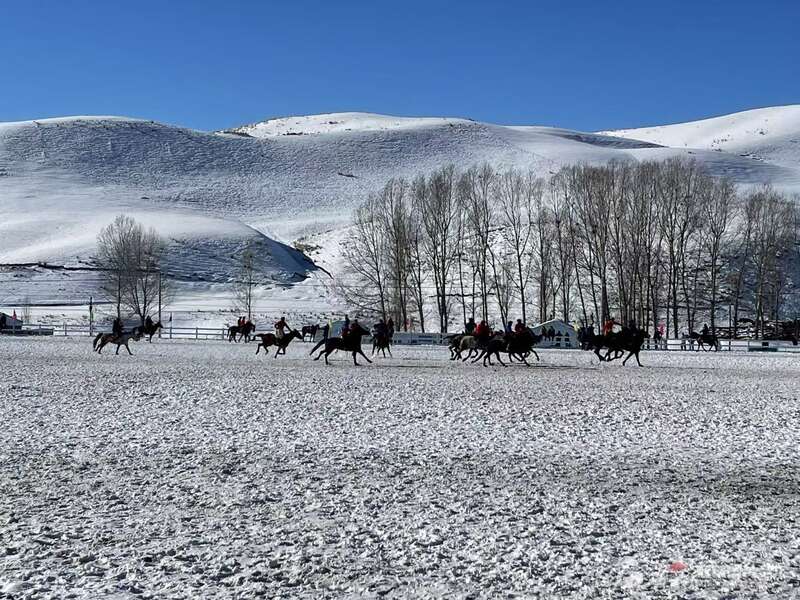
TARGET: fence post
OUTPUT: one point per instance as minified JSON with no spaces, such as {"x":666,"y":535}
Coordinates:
{"x":65,"y":330}
{"x":196,"y":333}
{"x":170,"y":332}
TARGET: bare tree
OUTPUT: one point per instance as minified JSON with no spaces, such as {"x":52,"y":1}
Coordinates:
{"x":130,"y":257}
{"x":245,"y":283}
{"x":365,"y":257}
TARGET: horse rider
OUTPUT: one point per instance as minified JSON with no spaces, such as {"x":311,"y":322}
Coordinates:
{"x":519,"y":328}
{"x":116,"y":327}
{"x":345,"y":327}
{"x":705,"y":332}
{"x":148,"y":323}
{"x":608,"y":326}
{"x":390,"y":328}
{"x":482,"y":332}
{"x":280,"y":326}
{"x":381,"y":329}
{"x":469,"y":326}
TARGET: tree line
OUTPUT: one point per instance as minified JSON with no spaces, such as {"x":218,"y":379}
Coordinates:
{"x":664,"y":244}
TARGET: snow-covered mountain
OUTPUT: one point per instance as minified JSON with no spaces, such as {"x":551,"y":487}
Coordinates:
{"x":280,"y":180}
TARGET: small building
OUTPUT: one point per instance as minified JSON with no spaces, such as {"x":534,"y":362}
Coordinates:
{"x":9,"y":322}
{"x":564,"y":336}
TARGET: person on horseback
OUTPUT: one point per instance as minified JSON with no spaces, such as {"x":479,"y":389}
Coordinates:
{"x":390,"y":328}
{"x":469,"y":326}
{"x":381,"y":329}
{"x":280,"y":328}
{"x":509,"y":328}
{"x":148,"y":323}
{"x":482,"y":333}
{"x":706,"y":332}
{"x":116,"y":327}
{"x":346,"y":327}
{"x":519,"y":328}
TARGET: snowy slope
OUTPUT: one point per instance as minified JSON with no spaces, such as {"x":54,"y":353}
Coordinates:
{"x":769,"y":134}
{"x":61,"y":180}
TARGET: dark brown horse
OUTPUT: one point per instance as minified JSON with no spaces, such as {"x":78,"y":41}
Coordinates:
{"x":381,"y":343}
{"x":243,"y":331}
{"x":350,"y":343}
{"x":270,"y":339}
{"x":706,"y":341}
{"x":309,"y":330}
{"x":150,"y":331}
{"x":102,"y":339}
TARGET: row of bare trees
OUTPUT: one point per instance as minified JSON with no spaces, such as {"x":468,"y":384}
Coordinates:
{"x":654,"y":242}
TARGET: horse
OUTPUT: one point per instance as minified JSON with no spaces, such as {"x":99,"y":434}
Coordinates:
{"x":705,"y":339}
{"x":351,"y":343}
{"x":309,"y":330}
{"x":495,"y":346}
{"x":453,"y":343}
{"x":520,"y":345}
{"x":467,"y":342}
{"x":629,"y":341}
{"x":270,"y":339}
{"x":101,"y":339}
{"x":243,"y":332}
{"x":144,"y":330}
{"x":381,"y":343}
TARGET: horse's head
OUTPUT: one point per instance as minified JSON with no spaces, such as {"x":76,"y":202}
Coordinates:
{"x":295,"y":334}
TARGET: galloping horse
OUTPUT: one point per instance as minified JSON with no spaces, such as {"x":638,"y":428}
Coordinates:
{"x":706,"y":341}
{"x":102,"y":339}
{"x":520,"y":345}
{"x":309,"y":330}
{"x":270,"y":339}
{"x":144,"y":330}
{"x":629,"y":341}
{"x":243,"y":332}
{"x":454,"y":343}
{"x":381,"y":343}
{"x":351,"y":343}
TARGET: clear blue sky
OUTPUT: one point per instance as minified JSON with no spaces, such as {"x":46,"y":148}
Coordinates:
{"x":581,"y":64}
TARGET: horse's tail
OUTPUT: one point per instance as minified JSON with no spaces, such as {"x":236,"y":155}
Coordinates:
{"x":315,"y":348}
{"x":96,"y":340}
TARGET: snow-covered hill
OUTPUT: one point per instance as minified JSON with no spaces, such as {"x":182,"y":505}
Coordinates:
{"x":768,"y":134}
{"x":274,"y":182}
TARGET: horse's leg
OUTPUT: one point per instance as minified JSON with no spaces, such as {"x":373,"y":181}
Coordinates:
{"x":117,"y":352}
{"x":362,"y":354}
{"x":500,"y":360}
{"x":389,"y":350}
{"x":626,"y":358}
{"x":536,"y":355}
{"x":127,"y":348}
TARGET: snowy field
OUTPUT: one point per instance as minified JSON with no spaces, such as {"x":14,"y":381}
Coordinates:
{"x":201,"y":470}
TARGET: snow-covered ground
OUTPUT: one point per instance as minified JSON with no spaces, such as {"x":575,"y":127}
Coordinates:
{"x":201,"y":470}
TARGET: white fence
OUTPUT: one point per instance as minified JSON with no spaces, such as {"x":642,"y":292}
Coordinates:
{"x":400,"y":338}
{"x":170,"y":333}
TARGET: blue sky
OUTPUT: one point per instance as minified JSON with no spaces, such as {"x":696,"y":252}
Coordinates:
{"x":581,"y":64}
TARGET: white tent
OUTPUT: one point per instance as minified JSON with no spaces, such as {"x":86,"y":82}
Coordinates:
{"x":565,"y":334}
